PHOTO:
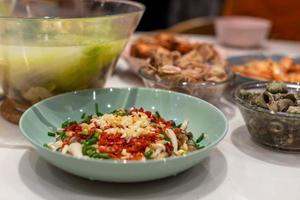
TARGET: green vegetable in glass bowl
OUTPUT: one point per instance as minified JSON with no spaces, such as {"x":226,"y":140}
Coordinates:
{"x":55,"y":49}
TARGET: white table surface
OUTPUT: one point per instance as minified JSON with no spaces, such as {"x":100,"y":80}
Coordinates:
{"x":238,"y":169}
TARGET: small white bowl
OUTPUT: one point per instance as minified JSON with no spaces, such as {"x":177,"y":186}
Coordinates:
{"x":242,"y":31}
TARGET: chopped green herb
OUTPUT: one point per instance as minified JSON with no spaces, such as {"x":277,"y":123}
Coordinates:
{"x":148,"y":154}
{"x":65,"y":124}
{"x":87,"y":119}
{"x":157,"y":114}
{"x":101,"y":155}
{"x":119,"y":112}
{"x":114,"y":111}
{"x":172,"y":122}
{"x":178,"y":126}
{"x":197,"y":142}
{"x":98,"y":113}
{"x":96,"y":108}
{"x":46,"y":146}
{"x":51,"y":134}
{"x":200,"y":138}
{"x":96,"y":135}
{"x":83,"y":142}
{"x":83,"y":116}
{"x":92,"y":140}
{"x":199,"y":146}
{"x":126,"y":112}
{"x":68,"y":123}
{"x":63,"y":136}
{"x":88,"y":150}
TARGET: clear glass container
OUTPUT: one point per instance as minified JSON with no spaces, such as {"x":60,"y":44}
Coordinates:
{"x":209,"y":91}
{"x":51,"y":47}
{"x":278,"y":130}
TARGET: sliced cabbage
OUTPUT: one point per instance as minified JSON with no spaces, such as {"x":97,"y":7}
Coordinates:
{"x":170,"y":133}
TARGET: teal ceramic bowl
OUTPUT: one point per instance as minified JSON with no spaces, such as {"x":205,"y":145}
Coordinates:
{"x":50,"y":113}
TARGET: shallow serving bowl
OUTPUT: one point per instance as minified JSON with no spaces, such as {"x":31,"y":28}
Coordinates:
{"x":50,"y":113}
{"x":277,"y":130}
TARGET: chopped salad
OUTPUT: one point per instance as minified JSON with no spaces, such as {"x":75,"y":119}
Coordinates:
{"x":124,"y":134}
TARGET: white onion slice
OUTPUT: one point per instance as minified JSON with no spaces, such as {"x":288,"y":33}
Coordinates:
{"x":65,"y":149}
{"x":158,"y":149}
{"x":170,"y":133}
{"x":56,"y":145}
{"x":184,"y":125}
{"x":75,"y":149}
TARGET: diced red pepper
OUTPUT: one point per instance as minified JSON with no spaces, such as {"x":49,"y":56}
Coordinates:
{"x":74,"y":127}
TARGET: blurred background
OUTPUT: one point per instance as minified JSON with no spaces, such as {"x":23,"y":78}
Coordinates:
{"x":197,"y":16}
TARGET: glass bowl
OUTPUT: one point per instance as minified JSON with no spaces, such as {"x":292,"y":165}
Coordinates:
{"x":51,"y":47}
{"x":209,"y":91}
{"x":277,"y":130}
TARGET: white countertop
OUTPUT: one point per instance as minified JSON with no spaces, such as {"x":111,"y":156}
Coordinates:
{"x":238,"y":169}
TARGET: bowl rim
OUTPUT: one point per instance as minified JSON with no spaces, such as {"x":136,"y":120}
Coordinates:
{"x":258,"y":21}
{"x":144,"y":75}
{"x":110,"y":161}
{"x":260,"y":56}
{"x":140,"y":8}
{"x":262,"y":84}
